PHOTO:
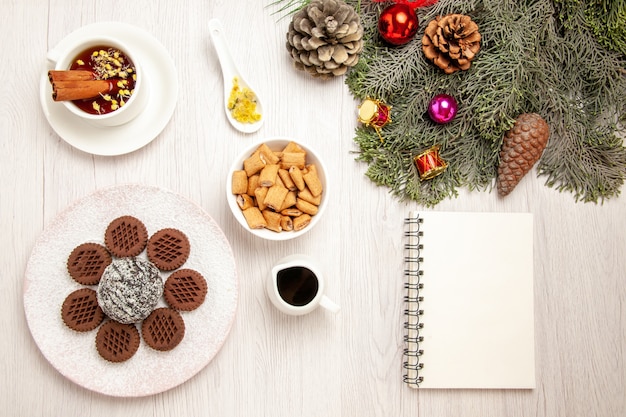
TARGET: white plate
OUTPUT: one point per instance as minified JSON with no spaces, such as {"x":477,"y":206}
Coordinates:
{"x":159,"y":72}
{"x":148,"y":372}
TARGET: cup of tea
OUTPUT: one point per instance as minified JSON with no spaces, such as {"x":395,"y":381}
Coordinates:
{"x":98,"y":79}
{"x":296,"y":286}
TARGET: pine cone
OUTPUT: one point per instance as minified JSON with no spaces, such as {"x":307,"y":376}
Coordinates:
{"x":451,"y":42}
{"x":521,"y":149}
{"x":325,"y":38}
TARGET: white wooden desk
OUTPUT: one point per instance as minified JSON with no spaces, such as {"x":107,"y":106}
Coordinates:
{"x":347,"y":364}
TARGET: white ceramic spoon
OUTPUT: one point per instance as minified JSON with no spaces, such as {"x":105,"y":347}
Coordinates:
{"x":229,"y":72}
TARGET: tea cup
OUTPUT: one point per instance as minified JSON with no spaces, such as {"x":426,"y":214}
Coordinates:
{"x":63,"y":55}
{"x":296,"y":286}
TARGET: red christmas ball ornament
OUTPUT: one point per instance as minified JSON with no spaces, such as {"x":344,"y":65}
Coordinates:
{"x":442,"y":108}
{"x":397,"y":24}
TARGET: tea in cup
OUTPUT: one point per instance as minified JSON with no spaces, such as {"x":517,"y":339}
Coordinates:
{"x":296,"y":286}
{"x":99,"y":80}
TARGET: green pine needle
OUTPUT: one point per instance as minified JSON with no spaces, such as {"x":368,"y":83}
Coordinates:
{"x":288,"y":7}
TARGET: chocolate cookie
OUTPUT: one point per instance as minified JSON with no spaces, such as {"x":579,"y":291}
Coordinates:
{"x":185,"y":290}
{"x":168,"y":249}
{"x":80,"y":310}
{"x":126,"y":236}
{"x":117,"y":342}
{"x":87,"y":262}
{"x":163,"y":329}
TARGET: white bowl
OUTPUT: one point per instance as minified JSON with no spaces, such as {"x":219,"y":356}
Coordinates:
{"x":275,"y":144}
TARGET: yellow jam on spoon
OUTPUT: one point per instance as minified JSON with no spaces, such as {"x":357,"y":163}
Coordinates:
{"x":242,"y":103}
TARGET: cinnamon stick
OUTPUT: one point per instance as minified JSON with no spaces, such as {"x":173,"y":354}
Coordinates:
{"x":69,"y":75}
{"x":81,"y":89}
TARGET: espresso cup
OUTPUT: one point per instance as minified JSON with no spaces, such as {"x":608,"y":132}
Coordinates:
{"x":63,"y":55}
{"x":296,"y":286}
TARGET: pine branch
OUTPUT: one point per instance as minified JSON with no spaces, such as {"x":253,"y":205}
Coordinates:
{"x":536,"y":56}
{"x":288,"y":7}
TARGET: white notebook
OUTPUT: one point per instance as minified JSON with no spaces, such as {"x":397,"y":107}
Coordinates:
{"x":469,"y":300}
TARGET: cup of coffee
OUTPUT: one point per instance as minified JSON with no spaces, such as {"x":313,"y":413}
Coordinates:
{"x":98,"y":79}
{"x":296,"y":286}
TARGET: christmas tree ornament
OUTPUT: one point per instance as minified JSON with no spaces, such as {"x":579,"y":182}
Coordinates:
{"x":325,"y":38}
{"x":375,"y":114}
{"x":442,"y":108}
{"x":398,"y":23}
{"x":413,"y":3}
{"x":451,"y":42}
{"x":429,"y":164}
{"x":522,"y":147}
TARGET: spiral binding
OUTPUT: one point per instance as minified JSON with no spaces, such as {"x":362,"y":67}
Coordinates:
{"x":412,"y":299}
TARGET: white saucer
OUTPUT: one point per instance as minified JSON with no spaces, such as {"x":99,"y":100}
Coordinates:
{"x":159,"y":72}
{"x":148,"y":372}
